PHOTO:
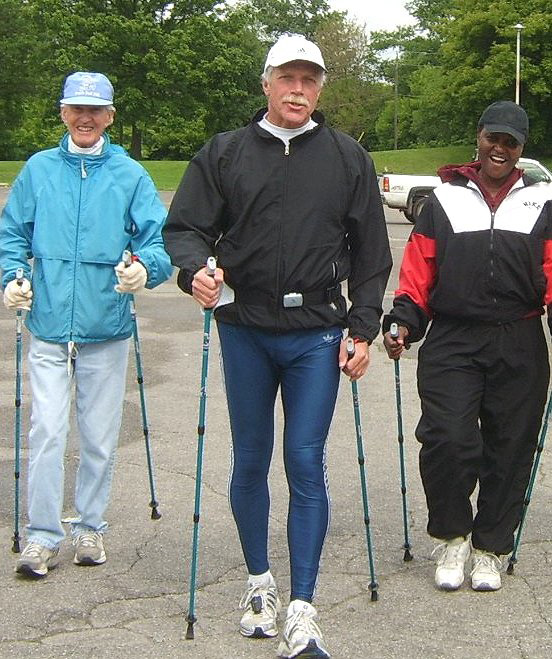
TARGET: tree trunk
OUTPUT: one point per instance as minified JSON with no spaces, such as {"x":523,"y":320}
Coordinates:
{"x":136,"y":143}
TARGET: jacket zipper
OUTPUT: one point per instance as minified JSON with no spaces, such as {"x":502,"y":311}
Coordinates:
{"x":491,"y":242}
{"x":280,"y":232}
{"x":83,"y":175}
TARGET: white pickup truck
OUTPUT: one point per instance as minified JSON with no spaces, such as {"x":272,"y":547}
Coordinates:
{"x":408,"y":193}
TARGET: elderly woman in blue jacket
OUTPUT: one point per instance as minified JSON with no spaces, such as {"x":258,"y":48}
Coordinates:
{"x":74,"y":209}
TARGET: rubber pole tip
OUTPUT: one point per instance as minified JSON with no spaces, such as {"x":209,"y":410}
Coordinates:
{"x":407,"y":556}
{"x":374,"y":597}
{"x":155,"y":514}
{"x":510,"y":568}
{"x":190,"y":630}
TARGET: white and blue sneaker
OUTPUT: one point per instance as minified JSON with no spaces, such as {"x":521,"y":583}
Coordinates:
{"x":451,"y":558}
{"x":485,"y":574}
{"x":261,"y":605}
{"x":302,"y":636}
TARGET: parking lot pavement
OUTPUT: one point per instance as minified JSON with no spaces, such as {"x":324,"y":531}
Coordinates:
{"x":135,"y":605}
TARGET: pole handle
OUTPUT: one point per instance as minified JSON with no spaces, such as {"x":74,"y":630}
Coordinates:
{"x":394,"y":331}
{"x":350,"y":347}
{"x":211,"y":266}
{"x":127,"y":257}
{"x":19,"y":275}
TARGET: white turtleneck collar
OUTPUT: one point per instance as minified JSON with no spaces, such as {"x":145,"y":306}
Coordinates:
{"x":94,"y":150}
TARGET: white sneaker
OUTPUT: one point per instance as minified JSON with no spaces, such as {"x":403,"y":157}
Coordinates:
{"x":453,"y":554}
{"x":89,"y":548}
{"x":261,"y":606}
{"x":35,"y":560}
{"x":485,"y":574}
{"x":302,"y":636}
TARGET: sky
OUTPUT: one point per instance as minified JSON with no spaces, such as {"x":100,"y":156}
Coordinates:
{"x":385,"y":15}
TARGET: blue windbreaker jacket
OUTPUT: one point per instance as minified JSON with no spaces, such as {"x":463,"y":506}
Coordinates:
{"x":75,"y":215}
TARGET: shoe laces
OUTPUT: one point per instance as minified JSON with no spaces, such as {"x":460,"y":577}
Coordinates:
{"x":486,"y":562}
{"x":33,"y":550}
{"x":260,"y":597}
{"x":88,"y":538}
{"x":303,"y":624}
{"x":447,"y":553}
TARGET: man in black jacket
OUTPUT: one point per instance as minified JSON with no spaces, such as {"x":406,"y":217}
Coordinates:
{"x":290,"y":208}
{"x":479,"y":266}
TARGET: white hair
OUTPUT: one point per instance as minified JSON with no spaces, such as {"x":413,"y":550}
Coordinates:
{"x":109,"y":108}
{"x":266,"y":75}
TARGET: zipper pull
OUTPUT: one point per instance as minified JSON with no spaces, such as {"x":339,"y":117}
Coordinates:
{"x":286,"y":150}
{"x":83,"y":170}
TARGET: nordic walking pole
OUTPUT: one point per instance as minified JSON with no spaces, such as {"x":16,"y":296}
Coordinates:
{"x":17,"y":442}
{"x":527,"y":499}
{"x":360,"y":452}
{"x":191,"y":618}
{"x":394,"y":332}
{"x":155,"y":514}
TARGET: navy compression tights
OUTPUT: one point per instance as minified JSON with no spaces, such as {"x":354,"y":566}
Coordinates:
{"x":304,"y":364}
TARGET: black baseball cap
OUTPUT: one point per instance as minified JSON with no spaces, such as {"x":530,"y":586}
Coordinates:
{"x":506,"y":117}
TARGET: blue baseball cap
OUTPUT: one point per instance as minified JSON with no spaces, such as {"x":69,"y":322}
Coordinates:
{"x":85,"y":88}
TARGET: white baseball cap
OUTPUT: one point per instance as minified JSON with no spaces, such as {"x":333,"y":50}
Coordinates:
{"x":292,"y":47}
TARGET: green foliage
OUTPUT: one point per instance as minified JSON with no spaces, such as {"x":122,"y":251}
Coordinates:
{"x":185,"y":70}
{"x":275,"y":17}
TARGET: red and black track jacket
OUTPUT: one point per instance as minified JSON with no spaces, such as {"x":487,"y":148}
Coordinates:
{"x":466,"y":261}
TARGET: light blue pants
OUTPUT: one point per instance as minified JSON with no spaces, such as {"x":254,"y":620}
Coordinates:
{"x":99,"y":372}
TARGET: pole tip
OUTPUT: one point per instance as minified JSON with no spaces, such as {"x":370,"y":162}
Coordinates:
{"x":155,"y":514}
{"x":510,"y":568}
{"x":16,"y":549}
{"x":407,"y":556}
{"x":374,"y":597}
{"x":190,"y":630}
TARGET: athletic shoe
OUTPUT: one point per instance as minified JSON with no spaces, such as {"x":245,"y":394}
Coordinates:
{"x":302,"y":636}
{"x":261,"y":606}
{"x":485,"y":574}
{"x":89,"y":549}
{"x":35,"y":560}
{"x":453,"y":554}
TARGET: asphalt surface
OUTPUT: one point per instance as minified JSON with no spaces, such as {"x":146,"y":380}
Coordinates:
{"x":135,"y":605}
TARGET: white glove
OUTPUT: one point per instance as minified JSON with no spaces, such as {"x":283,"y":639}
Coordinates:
{"x":18,"y":297}
{"x":132,"y":278}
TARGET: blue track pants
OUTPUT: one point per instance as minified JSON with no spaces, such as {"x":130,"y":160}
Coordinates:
{"x":304,"y":364}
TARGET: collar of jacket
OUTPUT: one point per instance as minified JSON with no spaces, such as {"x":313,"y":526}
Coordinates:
{"x":91,"y":161}
{"x":316,"y":116}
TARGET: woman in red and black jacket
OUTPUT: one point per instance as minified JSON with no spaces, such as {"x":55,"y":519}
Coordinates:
{"x":478,"y":266}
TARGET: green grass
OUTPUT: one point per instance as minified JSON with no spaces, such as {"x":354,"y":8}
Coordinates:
{"x":167,"y":174}
{"x":9,"y":170}
{"x":420,"y":161}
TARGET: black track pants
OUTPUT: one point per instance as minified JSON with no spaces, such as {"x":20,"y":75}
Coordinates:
{"x":483,"y":390}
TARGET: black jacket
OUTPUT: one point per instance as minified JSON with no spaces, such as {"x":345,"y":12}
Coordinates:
{"x":281,"y":220}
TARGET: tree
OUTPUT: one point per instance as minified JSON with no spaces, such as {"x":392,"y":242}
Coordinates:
{"x":275,"y":17}
{"x":16,"y":56}
{"x":352,"y":96}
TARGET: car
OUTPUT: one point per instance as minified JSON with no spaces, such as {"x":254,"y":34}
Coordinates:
{"x":408,"y":193}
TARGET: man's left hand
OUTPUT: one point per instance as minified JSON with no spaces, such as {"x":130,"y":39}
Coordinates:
{"x":132,"y":278}
{"x":354,"y":366}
